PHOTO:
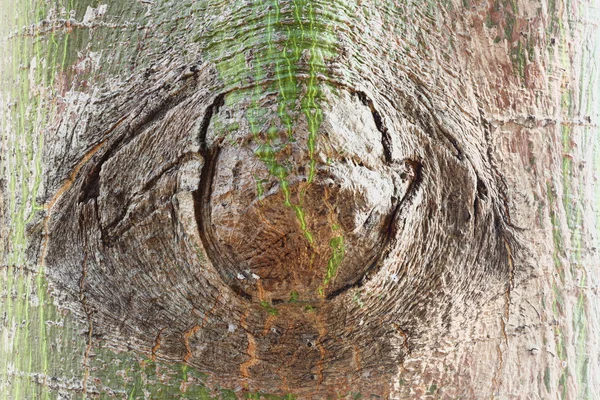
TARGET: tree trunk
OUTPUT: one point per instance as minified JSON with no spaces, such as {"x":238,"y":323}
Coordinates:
{"x":300,"y":199}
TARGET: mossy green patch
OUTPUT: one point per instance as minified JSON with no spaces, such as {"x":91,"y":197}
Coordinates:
{"x":547,"y":379}
{"x":432,"y":389}
{"x":294,"y":296}
{"x":27,"y":73}
{"x":309,"y":308}
{"x":519,"y":59}
{"x":263,"y":396}
{"x":269,"y":308}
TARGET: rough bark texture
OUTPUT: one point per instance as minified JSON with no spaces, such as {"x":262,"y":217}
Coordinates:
{"x":301,"y":198}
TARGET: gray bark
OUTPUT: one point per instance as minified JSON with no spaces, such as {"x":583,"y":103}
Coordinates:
{"x":305,"y":198}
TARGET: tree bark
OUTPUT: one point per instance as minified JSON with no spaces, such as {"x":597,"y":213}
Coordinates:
{"x":300,"y":199}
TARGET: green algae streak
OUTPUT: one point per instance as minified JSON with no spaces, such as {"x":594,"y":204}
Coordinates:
{"x":281,"y":49}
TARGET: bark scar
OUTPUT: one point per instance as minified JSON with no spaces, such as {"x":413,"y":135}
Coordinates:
{"x":65,"y":187}
{"x":252,"y":360}
{"x":156,"y":346}
{"x":356,"y":357}
{"x":186,"y":340}
{"x":386,"y":138}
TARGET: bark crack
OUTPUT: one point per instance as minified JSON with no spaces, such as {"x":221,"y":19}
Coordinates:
{"x":252,"y":359}
{"x":204,"y":192}
{"x":64,"y":188}
{"x":186,"y":341}
{"x":156,"y":345}
{"x":386,"y":139}
{"x":112,"y":230}
{"x":404,"y":203}
{"x":250,"y":349}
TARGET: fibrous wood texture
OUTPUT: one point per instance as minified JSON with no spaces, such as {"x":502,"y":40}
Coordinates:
{"x":301,"y":198}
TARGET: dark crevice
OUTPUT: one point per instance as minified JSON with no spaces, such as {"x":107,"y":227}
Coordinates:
{"x":91,"y":183}
{"x":153,"y":109}
{"x":145,"y":114}
{"x":374,"y":267}
{"x":417,"y":180}
{"x":203,"y":215}
{"x":210,"y":111}
{"x":459,"y":153}
{"x":480,"y":195}
{"x":482,"y":191}
{"x":203,"y":194}
{"x":391,"y":230}
{"x":476,"y":210}
{"x":501,"y":183}
{"x":386,"y":139}
{"x":169,"y":168}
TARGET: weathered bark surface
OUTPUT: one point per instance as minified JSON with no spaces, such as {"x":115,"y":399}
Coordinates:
{"x":313,"y":198}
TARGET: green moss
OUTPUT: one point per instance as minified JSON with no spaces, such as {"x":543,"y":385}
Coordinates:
{"x":294,"y":296}
{"x":263,"y":396}
{"x":519,"y":60}
{"x":558,"y":304}
{"x":301,"y":216}
{"x":509,"y":25}
{"x":228,"y":395}
{"x":556,"y":234}
{"x":269,"y":308}
{"x":547,"y":379}
{"x":29,"y":64}
{"x":356,"y":298}
{"x":554,"y":18}
{"x":432,"y":389}
{"x":489,"y":22}
{"x":260,"y":190}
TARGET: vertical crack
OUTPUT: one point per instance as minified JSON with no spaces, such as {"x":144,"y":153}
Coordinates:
{"x":386,"y":139}
{"x":186,"y":341}
{"x":156,"y":345}
{"x":480,"y":195}
{"x":204,"y":192}
{"x":211,"y":110}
